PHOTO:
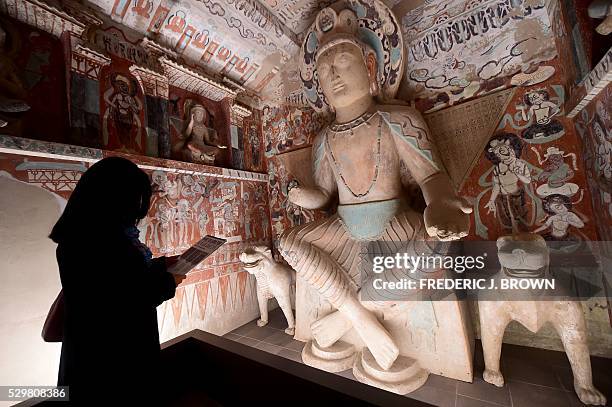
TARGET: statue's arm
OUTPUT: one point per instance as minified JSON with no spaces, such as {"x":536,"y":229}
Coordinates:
{"x":325,"y":185}
{"x":446,"y":213}
{"x":418,"y":151}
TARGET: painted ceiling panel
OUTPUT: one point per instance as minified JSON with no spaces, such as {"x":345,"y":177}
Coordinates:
{"x":297,"y":15}
{"x":457,"y":47}
{"x":453,"y":48}
{"x":238,"y":38}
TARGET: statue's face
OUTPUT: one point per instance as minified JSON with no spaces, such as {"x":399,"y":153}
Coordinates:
{"x":343,"y":74}
{"x":198,"y":115}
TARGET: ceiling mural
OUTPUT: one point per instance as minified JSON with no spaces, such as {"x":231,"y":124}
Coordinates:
{"x":455,"y":49}
{"x":239,"y":39}
{"x":297,"y":15}
{"x":458,"y":48}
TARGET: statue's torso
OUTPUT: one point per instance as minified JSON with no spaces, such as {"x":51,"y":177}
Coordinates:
{"x":365,"y":162}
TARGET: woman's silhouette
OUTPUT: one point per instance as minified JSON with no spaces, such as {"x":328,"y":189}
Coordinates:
{"x":111,"y":287}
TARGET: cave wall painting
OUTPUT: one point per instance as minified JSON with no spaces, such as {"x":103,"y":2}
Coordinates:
{"x":239,"y":39}
{"x":458,"y":49}
{"x":594,"y":124}
{"x":248,"y":143}
{"x":218,"y":295}
{"x":287,"y":129}
{"x":530,"y":175}
{"x":122,"y":110}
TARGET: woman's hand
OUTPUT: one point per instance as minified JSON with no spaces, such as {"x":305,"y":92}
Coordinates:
{"x":171,"y":261}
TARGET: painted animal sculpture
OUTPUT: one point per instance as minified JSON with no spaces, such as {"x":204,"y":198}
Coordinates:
{"x":527,"y":256}
{"x":273,"y":280}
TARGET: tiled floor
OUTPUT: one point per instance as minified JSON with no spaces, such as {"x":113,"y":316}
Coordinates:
{"x":534,"y":377}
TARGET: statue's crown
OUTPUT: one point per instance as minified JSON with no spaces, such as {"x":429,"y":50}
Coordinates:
{"x":336,"y":27}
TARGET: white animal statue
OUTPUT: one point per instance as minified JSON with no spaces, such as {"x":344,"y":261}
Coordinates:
{"x":527,"y":256}
{"x":274,"y":280}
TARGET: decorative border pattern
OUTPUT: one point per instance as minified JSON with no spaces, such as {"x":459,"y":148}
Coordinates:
{"x":590,"y":86}
{"x":190,"y":80}
{"x":36,"y":148}
{"x":43,"y":16}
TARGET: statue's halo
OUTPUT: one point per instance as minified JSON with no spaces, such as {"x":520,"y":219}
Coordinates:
{"x":377,"y":27}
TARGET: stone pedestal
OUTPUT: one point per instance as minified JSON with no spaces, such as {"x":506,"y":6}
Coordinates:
{"x":403,"y":377}
{"x":434,"y":334}
{"x":336,"y":358}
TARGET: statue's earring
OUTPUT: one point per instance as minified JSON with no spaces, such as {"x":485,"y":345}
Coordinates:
{"x":371,"y":65}
{"x":373,"y":87}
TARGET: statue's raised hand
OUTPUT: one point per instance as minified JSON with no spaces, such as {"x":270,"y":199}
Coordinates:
{"x":448,"y":218}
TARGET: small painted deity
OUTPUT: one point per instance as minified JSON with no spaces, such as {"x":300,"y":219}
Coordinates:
{"x":123,"y":113}
{"x":542,"y":111}
{"x":560,"y":218}
{"x":556,"y":173}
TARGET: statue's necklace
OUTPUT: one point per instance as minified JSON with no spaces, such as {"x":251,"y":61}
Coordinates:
{"x":342,"y":128}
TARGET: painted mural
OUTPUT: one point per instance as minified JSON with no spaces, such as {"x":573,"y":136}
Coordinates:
{"x":240,"y":39}
{"x":122,"y":110}
{"x":458,"y":49}
{"x":529,"y":177}
{"x":216,"y":296}
{"x":594,"y":124}
{"x":248,"y":143}
{"x":287,"y":128}
{"x":32,"y":82}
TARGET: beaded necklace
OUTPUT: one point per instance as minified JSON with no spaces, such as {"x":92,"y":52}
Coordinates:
{"x":349,"y":126}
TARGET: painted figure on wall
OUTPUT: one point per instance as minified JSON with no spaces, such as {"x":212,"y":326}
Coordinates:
{"x":541,"y":110}
{"x":560,"y":218}
{"x":511,"y":175}
{"x":255,"y":142}
{"x":198,"y":141}
{"x":603,"y":158}
{"x":122,"y":115}
{"x":556,"y":173}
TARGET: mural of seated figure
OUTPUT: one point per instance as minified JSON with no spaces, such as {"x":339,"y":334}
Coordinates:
{"x":358,"y":157}
{"x":274,"y":280}
{"x":527,"y":256}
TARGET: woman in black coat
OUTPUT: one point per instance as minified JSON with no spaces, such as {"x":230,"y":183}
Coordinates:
{"x":111,"y":285}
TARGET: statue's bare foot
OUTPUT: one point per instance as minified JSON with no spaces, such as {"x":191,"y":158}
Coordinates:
{"x":261,"y":322}
{"x":375,"y":336}
{"x":290,"y":331}
{"x":590,"y":395}
{"x":493,"y":377}
{"x":329,"y":329}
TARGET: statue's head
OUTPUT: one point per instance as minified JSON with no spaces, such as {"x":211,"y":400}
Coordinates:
{"x":199,"y":114}
{"x":346,"y":66}
{"x":352,"y":50}
{"x":256,"y":259}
